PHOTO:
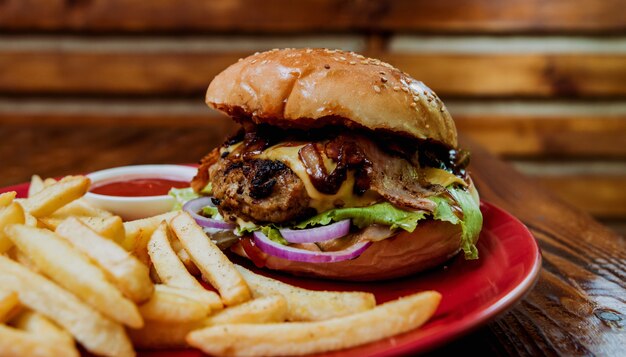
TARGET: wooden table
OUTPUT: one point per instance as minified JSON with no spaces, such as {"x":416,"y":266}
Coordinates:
{"x":577,"y":307}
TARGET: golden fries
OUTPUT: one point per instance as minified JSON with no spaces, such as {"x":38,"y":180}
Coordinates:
{"x":127,"y":272}
{"x":8,"y":304}
{"x":16,"y":343}
{"x":203,"y":296}
{"x":36,"y":185}
{"x":56,"y":196}
{"x":166,"y":262}
{"x":81,"y":208}
{"x":6,"y":198}
{"x":263,"y":310}
{"x":300,"y":338}
{"x":145,"y":227}
{"x":97,"y":334}
{"x":168,"y":306}
{"x":309,"y":305}
{"x":51,"y":252}
{"x":39,"y":325}
{"x":213,"y":264}
{"x":158,"y":334}
{"x":11,"y":214}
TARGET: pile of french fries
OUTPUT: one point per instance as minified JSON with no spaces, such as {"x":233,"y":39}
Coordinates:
{"x":72,"y":273}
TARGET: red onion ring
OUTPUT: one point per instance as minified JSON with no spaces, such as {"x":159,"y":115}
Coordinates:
{"x":317,"y":234}
{"x":194,"y":206}
{"x":300,"y":255}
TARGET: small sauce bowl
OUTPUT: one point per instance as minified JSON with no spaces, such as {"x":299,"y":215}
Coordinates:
{"x":130,"y":208}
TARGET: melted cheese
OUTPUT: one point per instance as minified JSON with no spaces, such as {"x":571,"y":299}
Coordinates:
{"x":320,"y":201}
{"x":441,"y":177}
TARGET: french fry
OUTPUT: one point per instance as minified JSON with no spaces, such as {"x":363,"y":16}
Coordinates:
{"x":263,"y":310}
{"x":80,"y":207}
{"x":52,"y":253}
{"x":56,"y":196}
{"x":49,"y":182}
{"x":9,"y":303}
{"x":185,"y":257}
{"x":36,"y":185}
{"x":39,"y":325}
{"x":23,"y":259}
{"x":31,"y":221}
{"x":213,"y":264}
{"x":166,"y":262}
{"x":6,"y":198}
{"x":300,"y":338}
{"x":309,"y":305}
{"x":16,"y":343}
{"x":11,"y":214}
{"x":129,"y":275}
{"x":203,"y":296}
{"x":145,"y":227}
{"x":158,"y":334}
{"x":109,"y":227}
{"x":96,"y":333}
{"x":167,"y":306}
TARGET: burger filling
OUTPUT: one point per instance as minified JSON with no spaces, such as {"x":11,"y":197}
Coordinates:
{"x":331,"y":190}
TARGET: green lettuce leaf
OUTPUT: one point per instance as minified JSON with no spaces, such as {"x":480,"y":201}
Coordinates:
{"x":182,"y":195}
{"x":381,"y":213}
{"x":207,"y":190}
{"x":472,"y":221}
{"x":273,"y":234}
{"x":210,"y":211}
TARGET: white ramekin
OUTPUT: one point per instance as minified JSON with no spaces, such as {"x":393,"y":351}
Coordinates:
{"x":130,"y":208}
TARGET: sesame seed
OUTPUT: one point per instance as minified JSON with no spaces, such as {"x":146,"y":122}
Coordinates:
{"x":413,"y":105}
{"x":405,"y":89}
{"x":253,"y":61}
{"x":308,"y":50}
{"x":327,"y":66}
{"x":377,"y":89}
{"x":383,"y":79}
{"x":396,"y":88}
{"x":342,"y":58}
{"x":256,"y":53}
{"x":416,"y":99}
{"x":239,"y":60}
{"x":352,"y":62}
{"x":364,"y":62}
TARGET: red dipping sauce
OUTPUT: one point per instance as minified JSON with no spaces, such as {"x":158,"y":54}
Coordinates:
{"x":140,"y":187}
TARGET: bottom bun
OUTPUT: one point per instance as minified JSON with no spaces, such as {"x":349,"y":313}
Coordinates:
{"x":430,"y":244}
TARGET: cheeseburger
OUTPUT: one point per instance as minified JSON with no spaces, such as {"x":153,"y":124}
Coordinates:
{"x":344,"y":168}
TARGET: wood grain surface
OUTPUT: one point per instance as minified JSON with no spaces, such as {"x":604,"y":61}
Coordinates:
{"x":450,"y":16}
{"x":578,"y":306}
{"x":85,"y":70}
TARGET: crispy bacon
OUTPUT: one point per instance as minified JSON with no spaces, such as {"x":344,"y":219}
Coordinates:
{"x":391,"y":176}
{"x":202,"y":177}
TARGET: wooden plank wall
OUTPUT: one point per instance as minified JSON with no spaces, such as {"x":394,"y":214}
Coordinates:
{"x":540,"y":82}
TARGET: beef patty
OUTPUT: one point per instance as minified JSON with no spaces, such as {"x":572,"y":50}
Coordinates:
{"x":261,"y":191}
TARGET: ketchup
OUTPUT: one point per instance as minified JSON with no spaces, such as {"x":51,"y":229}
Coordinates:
{"x":140,"y":187}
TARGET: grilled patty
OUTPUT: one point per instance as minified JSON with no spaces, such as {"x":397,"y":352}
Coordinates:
{"x":261,"y":191}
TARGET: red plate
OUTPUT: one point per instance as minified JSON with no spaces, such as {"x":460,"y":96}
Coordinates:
{"x":473,"y":291}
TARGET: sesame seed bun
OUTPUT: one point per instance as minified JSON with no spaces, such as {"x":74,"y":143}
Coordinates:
{"x":304,"y":88}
